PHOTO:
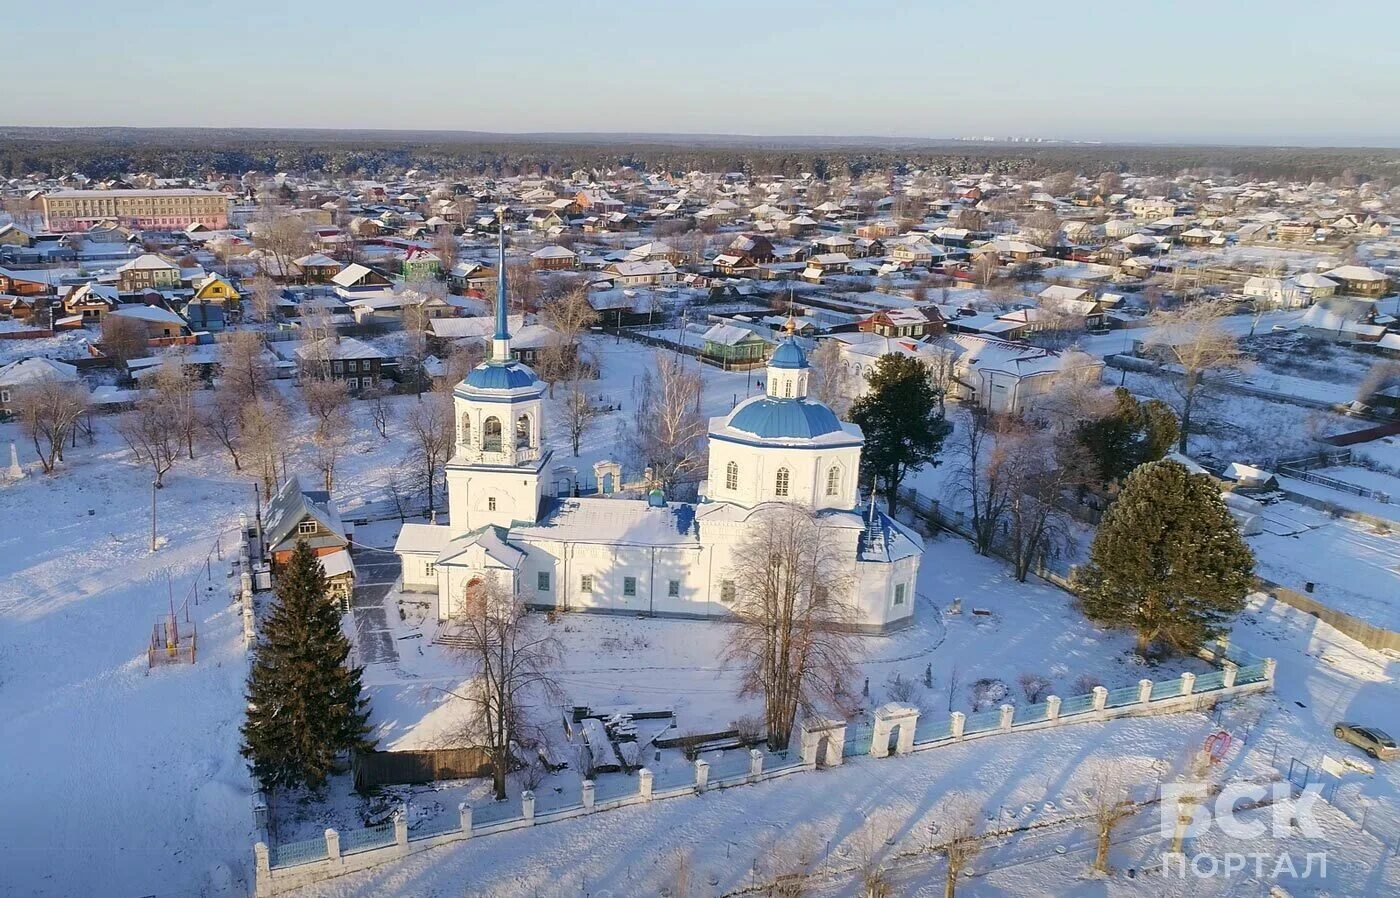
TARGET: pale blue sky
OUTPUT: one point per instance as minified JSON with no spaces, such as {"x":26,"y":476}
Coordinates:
{"x":1248,"y":71}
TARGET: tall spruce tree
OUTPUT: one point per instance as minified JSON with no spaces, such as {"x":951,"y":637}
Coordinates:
{"x":902,"y":418}
{"x":1168,"y":560}
{"x":304,"y":703}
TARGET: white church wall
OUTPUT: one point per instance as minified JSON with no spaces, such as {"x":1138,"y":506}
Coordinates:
{"x":757,"y":474}
{"x":419,"y":573}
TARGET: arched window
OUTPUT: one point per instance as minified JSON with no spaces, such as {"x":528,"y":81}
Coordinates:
{"x":465,"y":435}
{"x":780,"y":487}
{"x":491,"y":435}
{"x":833,"y":481}
{"x":731,"y":476}
{"x":522,"y":432}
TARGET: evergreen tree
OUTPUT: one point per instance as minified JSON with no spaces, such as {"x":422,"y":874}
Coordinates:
{"x":1168,"y":561}
{"x":903,"y":422}
{"x":304,"y":703}
{"x":1131,"y":434}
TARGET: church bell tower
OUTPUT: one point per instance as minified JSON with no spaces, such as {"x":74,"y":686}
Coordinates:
{"x":495,"y":476}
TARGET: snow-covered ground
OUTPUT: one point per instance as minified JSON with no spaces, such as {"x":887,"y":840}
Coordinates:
{"x":121,"y":782}
{"x":746,"y":835}
{"x":1353,"y":566}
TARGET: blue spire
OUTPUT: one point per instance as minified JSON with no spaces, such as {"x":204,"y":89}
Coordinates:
{"x":501,"y":331}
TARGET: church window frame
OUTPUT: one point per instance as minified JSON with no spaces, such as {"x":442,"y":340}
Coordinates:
{"x":585,"y":583}
{"x":542,"y":581}
{"x":523,"y":431}
{"x":673,"y":589}
{"x":465,"y":434}
{"x":782,"y":482}
{"x":833,"y":480}
{"x":787,"y":389}
{"x":731,"y":476}
{"x":491,"y":435}
{"x":490,"y":503}
{"x":727,"y":592}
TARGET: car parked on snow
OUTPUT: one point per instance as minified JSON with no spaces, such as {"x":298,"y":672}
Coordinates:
{"x":1374,"y":742}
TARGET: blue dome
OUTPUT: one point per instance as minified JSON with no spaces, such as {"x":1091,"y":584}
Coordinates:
{"x":788,"y":355}
{"x":494,"y":376}
{"x":785,"y":419}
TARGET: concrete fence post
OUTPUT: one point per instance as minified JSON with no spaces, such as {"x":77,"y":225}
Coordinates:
{"x":262,"y":871}
{"x":527,"y":807}
{"x":589,"y":792}
{"x":1230,"y":669}
{"x":1144,"y":691}
{"x":1188,"y":683}
{"x":1270,"y":668}
{"x":755,"y":765}
{"x":401,"y":828}
{"x":332,"y":844}
{"x":957,"y":721}
{"x":1052,"y":707}
{"x":702,"y":775}
{"x":644,"y":783}
{"x":464,"y":816}
{"x":1100,"y":702}
{"x":1008,"y":713}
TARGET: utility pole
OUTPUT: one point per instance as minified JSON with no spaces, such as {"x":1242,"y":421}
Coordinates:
{"x":153,"y":517}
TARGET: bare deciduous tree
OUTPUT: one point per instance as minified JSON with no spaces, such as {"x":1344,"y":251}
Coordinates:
{"x":242,"y":369}
{"x":982,"y":476}
{"x":379,"y":409}
{"x":283,"y":236}
{"x":175,"y":389}
{"x":511,"y":655}
{"x":829,"y":379}
{"x":431,"y":438}
{"x":668,"y":432}
{"x":264,"y":436}
{"x":576,"y":414}
{"x":222,"y":420}
{"x":153,"y":435}
{"x":960,"y":822}
{"x":262,"y":295}
{"x":791,"y":640}
{"x":49,"y":410}
{"x":123,"y":338}
{"x":1109,"y":804}
{"x":1195,"y":339}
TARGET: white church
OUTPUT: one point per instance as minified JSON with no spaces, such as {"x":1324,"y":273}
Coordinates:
{"x":647,"y":556}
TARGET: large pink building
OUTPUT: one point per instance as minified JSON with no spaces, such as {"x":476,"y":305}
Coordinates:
{"x":78,"y":210}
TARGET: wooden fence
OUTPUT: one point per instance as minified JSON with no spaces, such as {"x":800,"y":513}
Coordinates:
{"x":396,"y":768}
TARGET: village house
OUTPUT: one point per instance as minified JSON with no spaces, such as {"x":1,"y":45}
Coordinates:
{"x":14,"y":283}
{"x":341,"y":358}
{"x":17,"y":376}
{"x":163,"y":327}
{"x":553,"y":258}
{"x":357,"y":279}
{"x":730,"y":346}
{"x":91,"y":301}
{"x":636,"y":274}
{"x":471,"y":276}
{"x":916,"y":323}
{"x":420,"y":264}
{"x":1358,"y":280}
{"x":148,"y":272}
{"x":297,"y":515}
{"x":820,"y":266}
{"x":316,"y":268}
